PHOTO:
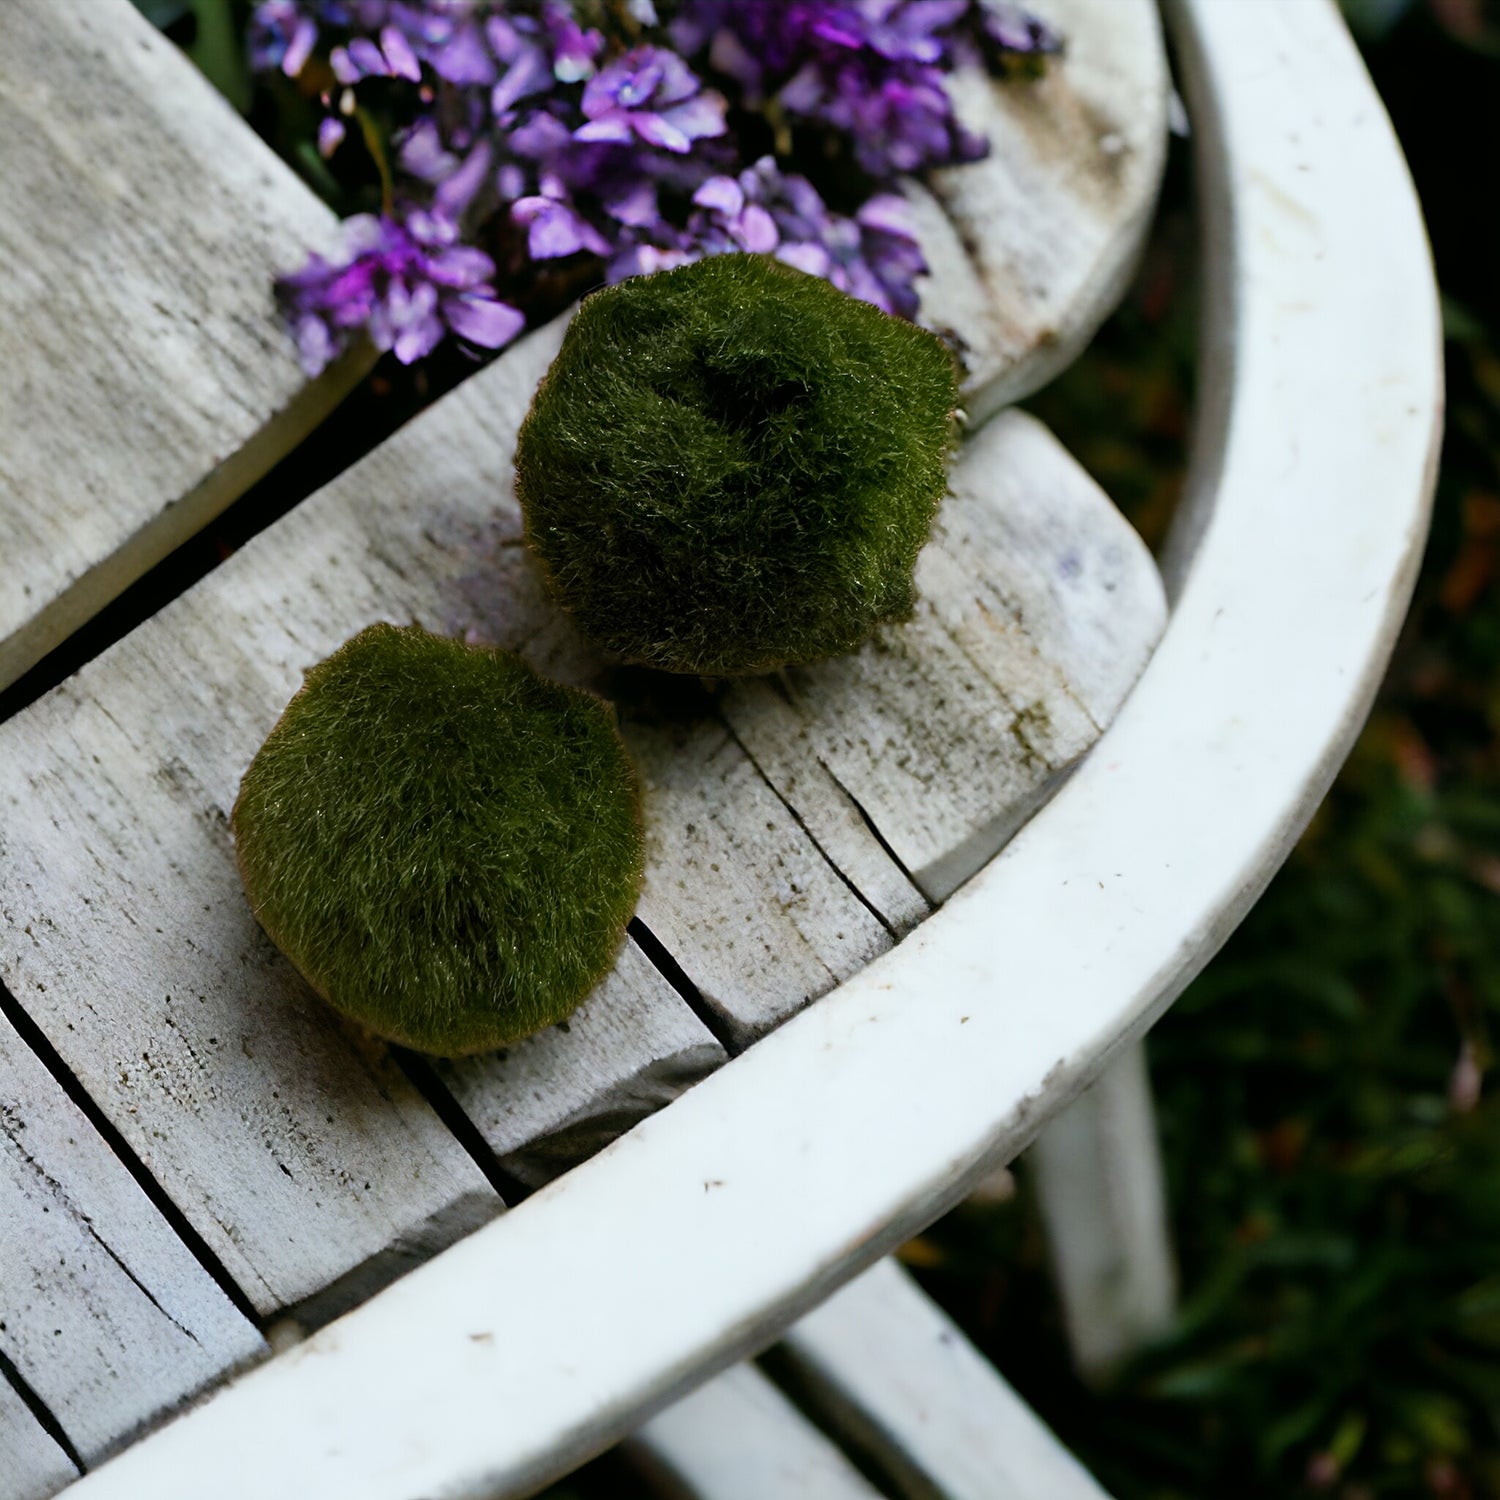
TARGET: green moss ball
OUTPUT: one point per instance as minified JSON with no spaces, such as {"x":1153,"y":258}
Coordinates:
{"x":731,"y":467}
{"x":447,"y":846}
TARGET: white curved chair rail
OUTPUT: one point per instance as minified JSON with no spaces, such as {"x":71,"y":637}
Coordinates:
{"x":701,"y":1235}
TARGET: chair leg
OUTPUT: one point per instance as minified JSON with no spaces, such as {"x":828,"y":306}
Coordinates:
{"x":1099,"y":1180}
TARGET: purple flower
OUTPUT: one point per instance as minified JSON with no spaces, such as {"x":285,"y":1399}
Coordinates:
{"x":556,"y":228}
{"x":652,"y":94}
{"x":873,"y":256}
{"x":548,"y":139}
{"x":408,"y":284}
{"x":281,"y":36}
{"x":362,"y":58}
{"x":872,"y":71}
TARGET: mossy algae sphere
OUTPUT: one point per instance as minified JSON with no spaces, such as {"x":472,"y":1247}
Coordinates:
{"x":731,"y":467}
{"x":447,"y":846}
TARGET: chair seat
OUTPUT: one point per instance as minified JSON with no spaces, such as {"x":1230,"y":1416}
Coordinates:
{"x":308,"y":1167}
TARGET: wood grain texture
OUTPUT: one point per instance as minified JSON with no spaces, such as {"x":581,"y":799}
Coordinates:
{"x":32,"y":1466}
{"x":1039,"y":606}
{"x":297,"y":1149}
{"x":145,"y":379}
{"x":263,"y":1117}
{"x":758,"y":918}
{"x":557,"y":1098}
{"x":1032,"y":247}
{"x":108,"y":1317}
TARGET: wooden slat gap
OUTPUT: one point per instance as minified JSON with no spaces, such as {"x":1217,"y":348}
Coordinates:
{"x":424,"y":1078}
{"x":36,"y":1040}
{"x":875,"y":832}
{"x":40,"y":1410}
{"x":184,"y":518}
{"x":662,"y":960}
{"x":160,"y":563}
{"x":807,"y":832}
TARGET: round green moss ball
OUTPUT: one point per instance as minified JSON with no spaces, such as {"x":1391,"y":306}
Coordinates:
{"x":447,"y":846}
{"x":731,"y":467}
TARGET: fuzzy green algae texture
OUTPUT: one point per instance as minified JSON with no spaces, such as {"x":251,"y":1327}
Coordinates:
{"x":447,"y":846}
{"x":731,"y":467}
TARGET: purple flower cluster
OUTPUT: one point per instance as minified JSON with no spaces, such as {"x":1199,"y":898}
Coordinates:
{"x":546,"y":131}
{"x":407,"y":285}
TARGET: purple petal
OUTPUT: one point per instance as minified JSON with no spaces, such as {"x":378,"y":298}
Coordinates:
{"x":676,"y":82}
{"x":525,"y":210}
{"x":805,"y":257}
{"x":700,"y":117}
{"x":890,"y":213}
{"x":723,"y":194}
{"x":299,"y":49}
{"x":465,"y":59}
{"x":343,"y":69}
{"x":419,"y":339}
{"x":460,"y":266}
{"x":556,"y":229}
{"x":455,"y":195}
{"x":510,"y":182}
{"x":728,"y":55}
{"x":423,"y":155}
{"x":657,"y":130}
{"x":610,"y":127}
{"x":367,"y":58}
{"x":804,"y":91}
{"x":401,"y":60}
{"x":528,"y":74}
{"x":636,"y":205}
{"x":538,"y":137}
{"x":483,"y":320}
{"x":363,"y":232}
{"x":755,"y":230}
{"x":430,"y":228}
{"x":315,"y":343}
{"x":504,"y":38}
{"x":330,"y":135}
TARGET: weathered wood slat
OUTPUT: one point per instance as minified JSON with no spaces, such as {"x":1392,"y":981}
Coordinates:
{"x":32,"y":1466}
{"x":145,"y":380}
{"x":107,"y":1316}
{"x":299,"y":1152}
{"x":1039,"y":607}
{"x":262,"y":1117}
{"x":1034,"y":245}
{"x":755,"y":914}
{"x":556,"y":1098}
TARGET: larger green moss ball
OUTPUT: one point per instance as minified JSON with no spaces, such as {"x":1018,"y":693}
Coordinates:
{"x":732,"y":466}
{"x":447,"y":846}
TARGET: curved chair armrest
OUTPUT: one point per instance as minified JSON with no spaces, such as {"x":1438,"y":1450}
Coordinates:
{"x":698,"y":1237}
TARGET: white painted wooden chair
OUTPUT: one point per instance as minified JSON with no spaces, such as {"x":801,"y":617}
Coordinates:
{"x":183,"y":1165}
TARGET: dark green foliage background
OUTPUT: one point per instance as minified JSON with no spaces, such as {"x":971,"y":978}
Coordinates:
{"x":731,"y":467}
{"x":445,"y":844}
